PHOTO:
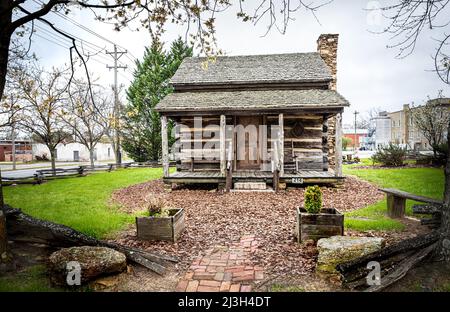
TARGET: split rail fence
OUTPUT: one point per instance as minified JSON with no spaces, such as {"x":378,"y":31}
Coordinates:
{"x":43,"y":175}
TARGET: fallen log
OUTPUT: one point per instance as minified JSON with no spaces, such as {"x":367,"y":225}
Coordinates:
{"x":402,"y":268}
{"x":354,"y":273}
{"x":427,"y":209}
{"x":25,"y":228}
{"x":432,"y":223}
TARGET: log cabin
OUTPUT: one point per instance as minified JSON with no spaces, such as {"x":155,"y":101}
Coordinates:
{"x":244,"y":121}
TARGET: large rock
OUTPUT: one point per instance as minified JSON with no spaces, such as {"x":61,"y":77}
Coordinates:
{"x":339,"y":249}
{"x":94,"y":261}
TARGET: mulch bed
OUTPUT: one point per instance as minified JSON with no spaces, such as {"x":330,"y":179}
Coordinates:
{"x":215,"y":218}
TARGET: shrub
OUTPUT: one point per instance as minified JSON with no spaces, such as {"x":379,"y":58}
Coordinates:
{"x":313,"y":199}
{"x":157,"y":207}
{"x":391,"y":155}
{"x":345,"y":143}
{"x":42,"y":157}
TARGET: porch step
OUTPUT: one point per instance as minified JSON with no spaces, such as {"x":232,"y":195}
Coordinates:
{"x":250,"y":186}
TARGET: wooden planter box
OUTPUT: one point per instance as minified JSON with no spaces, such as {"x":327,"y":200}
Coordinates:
{"x":329,"y":222}
{"x":161,"y":228}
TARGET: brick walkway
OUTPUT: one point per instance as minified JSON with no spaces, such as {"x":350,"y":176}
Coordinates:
{"x":224,"y":269}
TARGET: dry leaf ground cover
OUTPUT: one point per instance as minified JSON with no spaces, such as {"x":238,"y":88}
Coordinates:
{"x":219,"y":219}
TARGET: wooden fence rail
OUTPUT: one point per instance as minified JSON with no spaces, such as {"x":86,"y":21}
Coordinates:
{"x":42,"y":175}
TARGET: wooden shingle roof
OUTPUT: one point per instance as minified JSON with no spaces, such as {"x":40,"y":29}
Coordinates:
{"x":251,"y":100}
{"x":252,"y":69}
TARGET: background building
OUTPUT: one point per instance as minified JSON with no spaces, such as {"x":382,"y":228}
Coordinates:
{"x":381,"y":135}
{"x":404,"y":132}
{"x":24,"y":152}
{"x":360,"y":137}
{"x":398,"y":128}
{"x":75,"y":152}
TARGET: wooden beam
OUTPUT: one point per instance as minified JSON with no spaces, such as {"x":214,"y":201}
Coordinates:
{"x":239,"y":86}
{"x":396,"y":206}
{"x":338,"y":147}
{"x":281,"y":140}
{"x":165,"y":146}
{"x":256,"y":112}
{"x":223,"y":155}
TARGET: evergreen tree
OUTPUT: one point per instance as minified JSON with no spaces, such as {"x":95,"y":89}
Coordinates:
{"x":142,"y":126}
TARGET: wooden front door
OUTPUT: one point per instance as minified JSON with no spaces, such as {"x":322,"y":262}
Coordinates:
{"x":248,"y":154}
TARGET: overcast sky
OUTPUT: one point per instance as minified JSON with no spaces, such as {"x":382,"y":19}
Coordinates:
{"x":369,"y":75}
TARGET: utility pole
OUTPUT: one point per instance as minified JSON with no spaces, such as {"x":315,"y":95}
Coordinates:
{"x":116,"y":56}
{"x":356,"y":138}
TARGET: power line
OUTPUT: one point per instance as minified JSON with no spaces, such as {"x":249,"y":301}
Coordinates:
{"x":91,"y":48}
{"x":85,"y":45}
{"x":51,"y":41}
{"x":64,"y":44}
{"x":91,"y":52}
{"x":65,"y":17}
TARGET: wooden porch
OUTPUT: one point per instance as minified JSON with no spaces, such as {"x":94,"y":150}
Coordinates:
{"x":299,"y":178}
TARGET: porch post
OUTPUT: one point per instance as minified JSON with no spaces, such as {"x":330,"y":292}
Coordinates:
{"x":338,"y":147}
{"x":223,"y":155}
{"x":281,"y":141}
{"x":165,"y":146}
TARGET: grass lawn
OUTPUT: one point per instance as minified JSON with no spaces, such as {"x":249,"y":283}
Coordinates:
{"x":422,"y":181}
{"x":81,"y":203}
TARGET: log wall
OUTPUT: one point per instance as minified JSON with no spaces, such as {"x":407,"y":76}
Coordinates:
{"x":206,"y":152}
{"x":306,"y":139}
{"x":303,"y":141}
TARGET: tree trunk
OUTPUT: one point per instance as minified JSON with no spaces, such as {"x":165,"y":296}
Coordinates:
{"x":53,"y":159}
{"x":5,"y":38}
{"x":443,"y":250}
{"x":113,"y":145}
{"x":91,"y":157}
{"x":6,"y":259}
{"x":3,"y":240}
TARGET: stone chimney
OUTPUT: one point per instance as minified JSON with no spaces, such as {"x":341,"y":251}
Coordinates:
{"x":327,"y":46}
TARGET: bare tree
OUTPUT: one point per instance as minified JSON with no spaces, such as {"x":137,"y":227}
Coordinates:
{"x":407,"y":21}
{"x":432,"y":121}
{"x":10,"y":104}
{"x":10,"y":108}
{"x":85,"y":117}
{"x":365,"y":119}
{"x":44,"y":94}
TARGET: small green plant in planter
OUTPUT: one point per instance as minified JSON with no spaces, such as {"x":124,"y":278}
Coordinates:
{"x":313,"y":199}
{"x":162,"y":223}
{"x":315,"y":222}
{"x":157,"y":207}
